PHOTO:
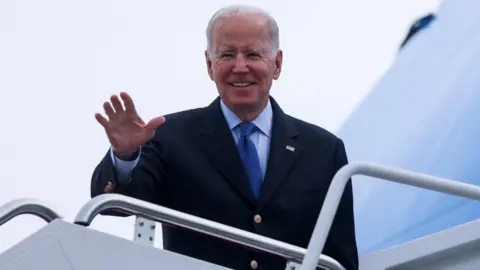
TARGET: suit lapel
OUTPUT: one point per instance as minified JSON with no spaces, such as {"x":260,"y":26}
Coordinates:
{"x":283,"y":154}
{"x":218,"y":144}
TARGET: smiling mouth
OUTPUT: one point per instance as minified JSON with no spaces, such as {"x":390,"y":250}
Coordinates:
{"x":241,"y":84}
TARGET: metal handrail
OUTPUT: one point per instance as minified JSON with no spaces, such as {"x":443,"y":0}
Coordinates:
{"x":28,"y":206}
{"x":132,"y":206}
{"x":341,"y":178}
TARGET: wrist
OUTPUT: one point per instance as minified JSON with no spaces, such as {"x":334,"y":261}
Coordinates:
{"x":126,"y":156}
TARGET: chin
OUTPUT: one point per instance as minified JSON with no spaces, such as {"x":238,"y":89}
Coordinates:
{"x":243,"y":99}
{"x":248,"y":104}
{"x":243,"y":96}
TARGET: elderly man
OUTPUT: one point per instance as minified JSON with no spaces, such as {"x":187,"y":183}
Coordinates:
{"x":240,"y":161}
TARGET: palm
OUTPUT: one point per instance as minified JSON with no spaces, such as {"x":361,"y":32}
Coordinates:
{"x":125,"y":129}
{"x":125,"y":132}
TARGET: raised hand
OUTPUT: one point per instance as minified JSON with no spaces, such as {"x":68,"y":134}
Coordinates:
{"x":125,"y":129}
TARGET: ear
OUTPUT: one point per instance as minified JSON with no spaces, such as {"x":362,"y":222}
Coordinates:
{"x":278,"y":64}
{"x":209,"y":65}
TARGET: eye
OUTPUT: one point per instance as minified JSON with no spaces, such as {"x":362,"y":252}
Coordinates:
{"x":253,"y":55}
{"x":226,"y":55}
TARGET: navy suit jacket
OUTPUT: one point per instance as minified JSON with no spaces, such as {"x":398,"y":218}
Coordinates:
{"x":192,"y":165}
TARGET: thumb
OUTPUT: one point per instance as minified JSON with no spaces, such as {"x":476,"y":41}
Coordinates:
{"x":155,"y":123}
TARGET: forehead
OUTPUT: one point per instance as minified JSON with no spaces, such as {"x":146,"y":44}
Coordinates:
{"x":241,"y":30}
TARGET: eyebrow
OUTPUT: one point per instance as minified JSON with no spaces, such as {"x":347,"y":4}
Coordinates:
{"x":249,"y":49}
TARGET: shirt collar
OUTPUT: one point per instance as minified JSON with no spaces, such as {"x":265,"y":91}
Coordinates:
{"x":263,"y":120}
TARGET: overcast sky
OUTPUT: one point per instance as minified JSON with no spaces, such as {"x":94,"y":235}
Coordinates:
{"x":59,"y":60}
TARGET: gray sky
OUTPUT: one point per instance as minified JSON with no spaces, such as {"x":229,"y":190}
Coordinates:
{"x":59,"y":60}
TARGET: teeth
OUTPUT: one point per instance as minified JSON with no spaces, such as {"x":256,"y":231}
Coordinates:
{"x":242,"y":84}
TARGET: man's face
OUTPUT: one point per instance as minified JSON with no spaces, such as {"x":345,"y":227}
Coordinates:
{"x":242,"y":62}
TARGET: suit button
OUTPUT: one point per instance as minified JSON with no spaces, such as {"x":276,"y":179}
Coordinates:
{"x":254,"y":264}
{"x":257,"y":218}
{"x":109,"y":187}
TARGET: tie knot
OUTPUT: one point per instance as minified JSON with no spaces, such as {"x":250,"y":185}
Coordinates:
{"x":246,"y":128}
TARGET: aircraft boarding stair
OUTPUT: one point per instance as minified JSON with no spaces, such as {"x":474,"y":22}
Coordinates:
{"x":63,"y":245}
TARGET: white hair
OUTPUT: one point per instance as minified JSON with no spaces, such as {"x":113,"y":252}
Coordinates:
{"x":243,"y":9}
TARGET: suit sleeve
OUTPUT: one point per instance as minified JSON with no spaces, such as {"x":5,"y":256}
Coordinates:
{"x":341,"y":243}
{"x":146,"y":178}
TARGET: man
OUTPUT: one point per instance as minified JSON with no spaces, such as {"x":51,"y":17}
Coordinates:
{"x":240,"y":161}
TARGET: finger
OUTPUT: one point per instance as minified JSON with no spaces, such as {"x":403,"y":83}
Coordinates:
{"x":155,"y":123}
{"x":130,"y":108}
{"x":108,"y":110}
{"x":102,"y":120}
{"x":117,"y":105}
{"x":128,"y":102}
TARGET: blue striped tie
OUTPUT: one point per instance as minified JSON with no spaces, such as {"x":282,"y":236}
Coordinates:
{"x":249,"y":156}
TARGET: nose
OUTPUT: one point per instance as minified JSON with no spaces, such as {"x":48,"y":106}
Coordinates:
{"x":240,"y":64}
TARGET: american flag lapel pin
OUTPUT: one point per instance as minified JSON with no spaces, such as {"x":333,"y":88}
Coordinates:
{"x":290,"y":148}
